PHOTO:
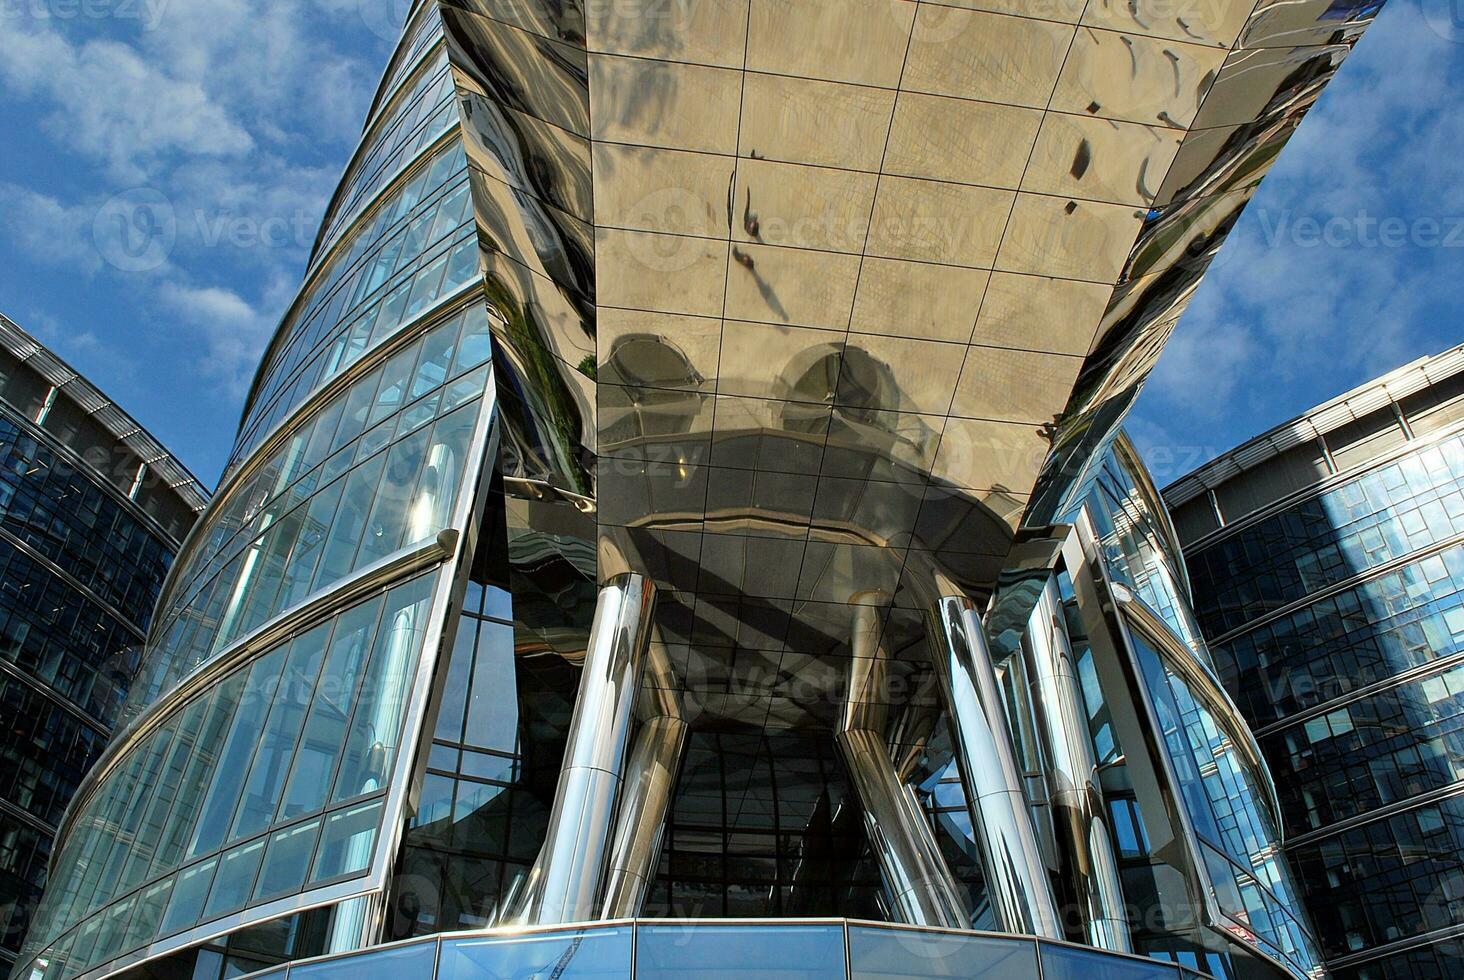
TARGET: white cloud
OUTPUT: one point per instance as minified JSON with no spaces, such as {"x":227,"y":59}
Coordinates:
{"x":1281,"y":323}
{"x":238,"y":113}
{"x":111,"y":105}
{"x":55,"y":233}
{"x":229,"y":332}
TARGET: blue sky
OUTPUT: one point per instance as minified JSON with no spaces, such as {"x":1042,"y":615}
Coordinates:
{"x":1348,"y":262}
{"x":223,"y":125}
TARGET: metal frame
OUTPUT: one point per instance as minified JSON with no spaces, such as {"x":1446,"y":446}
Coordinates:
{"x":36,"y":356}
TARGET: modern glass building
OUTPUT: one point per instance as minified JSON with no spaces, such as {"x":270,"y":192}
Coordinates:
{"x":1328,"y":564}
{"x":664,"y":522}
{"x":92,"y":511}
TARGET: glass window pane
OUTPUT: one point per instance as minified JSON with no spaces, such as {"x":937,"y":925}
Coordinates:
{"x":389,"y":512}
{"x":277,"y":741}
{"x":437,"y":491}
{"x":223,"y":793}
{"x":145,"y":919}
{"x":493,"y":709}
{"x":345,"y":532}
{"x":370,"y":751}
{"x":699,"y":952}
{"x":386,"y":964}
{"x":199,"y":772}
{"x":437,"y":351}
{"x":464,"y":266}
{"x":396,"y":376}
{"x":900,"y":954}
{"x":1070,"y":963}
{"x":425,"y":285}
{"x":455,"y":691}
{"x":315,"y":760}
{"x":287,"y":860}
{"x":582,"y":953}
{"x":345,"y":847}
{"x":476,"y":344}
{"x":188,"y":895}
{"x":235,"y":879}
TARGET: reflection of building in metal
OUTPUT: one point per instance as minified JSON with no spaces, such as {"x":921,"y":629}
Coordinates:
{"x":617,"y":502}
{"x":92,"y":510}
{"x":1328,"y":561}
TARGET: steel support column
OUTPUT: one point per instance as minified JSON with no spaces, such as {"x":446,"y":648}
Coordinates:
{"x":919,"y":881}
{"x":1089,"y":866}
{"x":564,"y":885}
{"x":1016,"y":879}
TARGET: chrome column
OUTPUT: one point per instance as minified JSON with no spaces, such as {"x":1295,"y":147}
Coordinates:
{"x":923,"y":890}
{"x":1016,"y":879}
{"x":565,"y":881}
{"x":645,"y":795}
{"x":649,"y":779}
{"x":1090,"y":869}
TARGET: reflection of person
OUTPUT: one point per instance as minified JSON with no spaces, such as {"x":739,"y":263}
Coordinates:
{"x":764,"y":288}
{"x":750,"y":224}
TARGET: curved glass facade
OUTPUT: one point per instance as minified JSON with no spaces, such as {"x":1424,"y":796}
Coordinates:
{"x":411,"y":251}
{"x":612,"y":521}
{"x":269,"y":780}
{"x":1334,"y":596}
{"x":87,"y":534}
{"x":1225,"y":788}
{"x":268,"y":741}
{"x":384,"y":456}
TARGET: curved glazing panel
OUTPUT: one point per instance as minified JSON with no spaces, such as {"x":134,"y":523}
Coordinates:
{"x":730,"y":949}
{"x":414,"y":251}
{"x":51,"y":505}
{"x":268,"y":780}
{"x":1399,"y":621}
{"x":1225,"y":793}
{"x":1371,"y":752}
{"x":418,"y":114}
{"x":1139,"y":545}
{"x":374,"y":470}
{"x":1385,"y":514}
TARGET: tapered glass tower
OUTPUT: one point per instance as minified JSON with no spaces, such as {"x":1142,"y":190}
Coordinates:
{"x":617,"y":515}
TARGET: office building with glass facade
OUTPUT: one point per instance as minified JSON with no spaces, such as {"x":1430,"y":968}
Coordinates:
{"x":1327,"y":558}
{"x":665,"y":520}
{"x":92,"y":511}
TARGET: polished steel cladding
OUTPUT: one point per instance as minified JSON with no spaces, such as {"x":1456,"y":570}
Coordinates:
{"x":1076,"y":795}
{"x":922,"y":891}
{"x":1016,"y":879}
{"x":681,"y":490}
{"x":566,"y":881}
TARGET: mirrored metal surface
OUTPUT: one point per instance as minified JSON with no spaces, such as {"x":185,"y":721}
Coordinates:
{"x":1017,"y":884}
{"x":565,"y":883}
{"x":1074,"y":790}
